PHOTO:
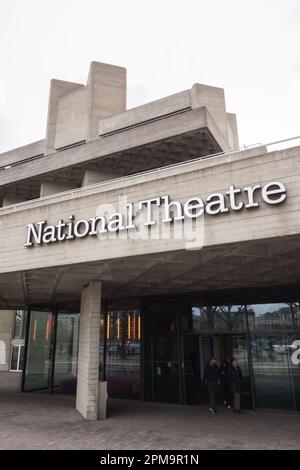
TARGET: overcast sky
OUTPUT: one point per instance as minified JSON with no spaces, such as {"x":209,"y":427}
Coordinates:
{"x":251,"y":48}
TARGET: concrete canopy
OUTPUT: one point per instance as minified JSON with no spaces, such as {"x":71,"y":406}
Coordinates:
{"x":241,"y":265}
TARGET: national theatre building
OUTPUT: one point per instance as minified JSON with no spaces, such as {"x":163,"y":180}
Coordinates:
{"x":137,"y":243}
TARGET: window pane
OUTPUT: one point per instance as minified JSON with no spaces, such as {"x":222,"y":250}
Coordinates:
{"x":66,"y":353}
{"x":161,"y":316}
{"x":272,"y":378}
{"x":218,"y":317}
{"x":296,"y":313}
{"x":294,"y":356}
{"x":272,"y":316}
{"x":20,"y":321}
{"x":21,"y":363}
{"x":123,"y":333}
{"x":166,"y":369}
{"x":39,"y":351}
{"x":14,"y":358}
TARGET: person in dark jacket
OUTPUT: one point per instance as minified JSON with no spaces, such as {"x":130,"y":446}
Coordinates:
{"x":211,"y":378}
{"x":224,"y":379}
{"x":235,"y":380}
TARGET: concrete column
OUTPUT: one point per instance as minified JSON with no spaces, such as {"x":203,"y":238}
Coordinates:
{"x":11,"y":200}
{"x":94,"y":176}
{"x":88,"y":357}
{"x":48,"y":188}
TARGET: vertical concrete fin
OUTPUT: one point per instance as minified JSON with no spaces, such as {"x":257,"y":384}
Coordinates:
{"x":232,"y":129}
{"x":214,"y":99}
{"x":106,"y":94}
{"x":58,"y":88}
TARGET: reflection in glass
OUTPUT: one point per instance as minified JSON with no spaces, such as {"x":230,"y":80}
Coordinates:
{"x":66,"y":353}
{"x":39,"y":351}
{"x":296,"y":313}
{"x":218,"y":317}
{"x":271,"y":371}
{"x":272,"y":316}
{"x":294,"y":359}
{"x":161,"y":316}
{"x":20,"y":322}
{"x":14,"y":365}
{"x":123,"y":335}
{"x":166,"y":369}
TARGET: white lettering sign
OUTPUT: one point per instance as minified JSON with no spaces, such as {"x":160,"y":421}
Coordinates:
{"x":234,"y":199}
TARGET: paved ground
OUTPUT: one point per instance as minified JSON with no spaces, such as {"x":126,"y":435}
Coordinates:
{"x":36,"y":421}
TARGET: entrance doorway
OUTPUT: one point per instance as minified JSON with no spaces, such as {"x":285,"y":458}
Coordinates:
{"x":197,"y":349}
{"x":51,"y":353}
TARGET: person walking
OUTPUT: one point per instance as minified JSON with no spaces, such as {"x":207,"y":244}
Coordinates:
{"x":235,"y":380}
{"x":224,"y":379}
{"x":211,"y":378}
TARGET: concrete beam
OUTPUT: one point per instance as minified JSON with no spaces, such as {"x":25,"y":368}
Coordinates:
{"x":88,"y":358}
{"x":175,"y":125}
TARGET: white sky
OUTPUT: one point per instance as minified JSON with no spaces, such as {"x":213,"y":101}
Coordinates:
{"x":251,"y":48}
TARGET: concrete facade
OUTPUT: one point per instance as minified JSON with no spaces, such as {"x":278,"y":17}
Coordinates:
{"x":97,"y":156}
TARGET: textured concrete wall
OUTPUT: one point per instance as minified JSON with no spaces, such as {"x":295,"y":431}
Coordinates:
{"x":214,"y":99}
{"x":154,"y":109}
{"x":188,"y":180}
{"x":75,"y":109}
{"x":22,"y":153}
{"x":93,"y":176}
{"x":107,"y":94}
{"x":88,"y":358}
{"x":48,"y":188}
{"x":7,"y":318}
{"x":72,"y":118}
{"x":10,"y":200}
{"x":232,"y":131}
{"x":58,"y":88}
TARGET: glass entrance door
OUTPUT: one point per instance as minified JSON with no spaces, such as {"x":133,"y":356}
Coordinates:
{"x":197,"y":349}
{"x":165,"y":369}
{"x":66,"y":353}
{"x":39,"y":352}
{"x":161,"y":353}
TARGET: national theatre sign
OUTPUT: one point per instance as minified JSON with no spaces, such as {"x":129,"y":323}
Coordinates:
{"x":233,"y":199}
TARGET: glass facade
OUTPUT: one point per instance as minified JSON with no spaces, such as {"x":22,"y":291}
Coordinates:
{"x":18,"y":341}
{"x":161,"y":357}
{"x":217,"y":317}
{"x":39,"y":351}
{"x":66,"y":353}
{"x":158,"y":352}
{"x":52,"y":352}
{"x":180,"y":336}
{"x":123,"y":353}
{"x":273,"y":330}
